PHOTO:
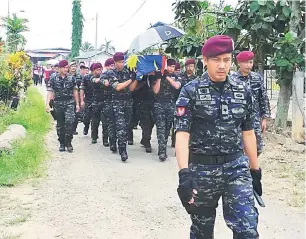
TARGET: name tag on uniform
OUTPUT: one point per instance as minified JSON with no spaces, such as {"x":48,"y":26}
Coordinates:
{"x":238,"y":101}
{"x":205,"y":97}
{"x":203,"y":91}
{"x":205,"y":102}
{"x":238,"y":95}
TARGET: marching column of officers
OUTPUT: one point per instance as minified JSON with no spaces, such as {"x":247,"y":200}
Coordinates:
{"x":217,"y":119}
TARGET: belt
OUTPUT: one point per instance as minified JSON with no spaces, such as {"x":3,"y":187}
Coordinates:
{"x":63,"y":98}
{"x":213,"y":159}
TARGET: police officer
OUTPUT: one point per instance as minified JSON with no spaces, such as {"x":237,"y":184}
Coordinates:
{"x":78,"y":79}
{"x":63,"y":88}
{"x":108,"y":105}
{"x":165,"y":89}
{"x":123,"y":84}
{"x":261,"y":107}
{"x":184,"y":78}
{"x":213,"y":116}
{"x":86,"y":95}
{"x":98,"y":107}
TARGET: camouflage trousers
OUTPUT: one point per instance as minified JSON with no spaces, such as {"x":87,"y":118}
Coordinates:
{"x":123,"y":110}
{"x":163,"y":115}
{"x":65,"y":117}
{"x":100,"y":113}
{"x":233,"y":182}
{"x":87,"y":113}
{"x":257,"y":129}
{"x":146,"y":119}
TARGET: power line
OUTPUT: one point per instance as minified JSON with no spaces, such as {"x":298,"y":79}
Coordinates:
{"x":133,"y":14}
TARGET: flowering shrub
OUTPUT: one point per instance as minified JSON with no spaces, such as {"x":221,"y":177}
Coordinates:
{"x":15,"y":74}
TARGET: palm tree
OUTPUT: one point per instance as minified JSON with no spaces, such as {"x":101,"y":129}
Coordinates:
{"x":87,"y":46}
{"x":14,"y":28}
{"x":107,"y":47}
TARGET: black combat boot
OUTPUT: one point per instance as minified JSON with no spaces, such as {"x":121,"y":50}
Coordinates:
{"x":62,"y":147}
{"x":85,"y":130}
{"x":93,"y":141}
{"x":68,"y":144}
{"x":162,"y":157}
{"x":113,"y":148}
{"x":105,"y":141}
{"x":123,"y":154}
{"x":148,"y":147}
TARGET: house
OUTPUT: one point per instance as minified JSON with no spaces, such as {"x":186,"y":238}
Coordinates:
{"x":92,"y":57}
{"x":47,"y":54}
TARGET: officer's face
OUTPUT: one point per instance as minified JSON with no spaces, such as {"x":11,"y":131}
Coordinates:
{"x":246,"y":66}
{"x":87,"y":71}
{"x":171,"y":69}
{"x":190,"y":69}
{"x":218,"y":67}
{"x":73,"y":68}
{"x":98,"y":71}
{"x":64,"y":70}
{"x":83,"y":71}
{"x":119,"y":64}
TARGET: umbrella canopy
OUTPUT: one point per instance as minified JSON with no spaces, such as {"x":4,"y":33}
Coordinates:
{"x":153,"y":36}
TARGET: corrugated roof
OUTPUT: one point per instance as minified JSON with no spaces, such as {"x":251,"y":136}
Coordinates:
{"x":31,"y":54}
{"x":90,"y":54}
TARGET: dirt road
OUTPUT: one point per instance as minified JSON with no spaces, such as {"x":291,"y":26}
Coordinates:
{"x":92,"y":194}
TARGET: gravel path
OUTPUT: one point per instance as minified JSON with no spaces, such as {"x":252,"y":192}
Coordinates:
{"x":92,"y":194}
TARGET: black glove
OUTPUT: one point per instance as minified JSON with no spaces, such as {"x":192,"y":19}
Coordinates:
{"x":185,"y":189}
{"x":133,"y":76}
{"x":158,"y":75}
{"x":256,"y":176}
{"x":166,"y":73}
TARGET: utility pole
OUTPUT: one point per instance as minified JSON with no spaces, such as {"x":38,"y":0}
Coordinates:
{"x":297,"y":82}
{"x":8,"y":8}
{"x":96,"y":42}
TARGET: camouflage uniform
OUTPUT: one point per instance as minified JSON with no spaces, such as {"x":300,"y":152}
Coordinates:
{"x":64,"y":105}
{"x":215,"y":119}
{"x":261,"y":102}
{"x":122,"y":106}
{"x":87,"y":86}
{"x":164,"y":106}
{"x":184,"y":79}
{"x":78,"y":80}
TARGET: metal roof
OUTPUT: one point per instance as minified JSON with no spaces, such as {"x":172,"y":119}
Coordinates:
{"x":90,"y":54}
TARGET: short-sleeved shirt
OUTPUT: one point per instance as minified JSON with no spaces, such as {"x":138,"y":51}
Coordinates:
{"x":167,"y":92}
{"x":116,"y":77}
{"x":62,"y":88}
{"x":214,"y":118}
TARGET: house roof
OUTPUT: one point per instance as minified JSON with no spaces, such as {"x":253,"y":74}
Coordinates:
{"x":32,"y":54}
{"x":90,"y":54}
{"x":50,"y":50}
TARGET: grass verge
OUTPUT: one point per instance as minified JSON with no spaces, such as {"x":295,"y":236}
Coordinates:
{"x":25,"y":159}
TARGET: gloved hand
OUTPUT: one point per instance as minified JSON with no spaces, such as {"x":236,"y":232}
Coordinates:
{"x":256,"y":176}
{"x":166,"y":73}
{"x":133,"y":76}
{"x":158,"y":75}
{"x":186,"y":188}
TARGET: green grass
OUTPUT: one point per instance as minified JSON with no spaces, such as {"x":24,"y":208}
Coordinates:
{"x":27,"y":155}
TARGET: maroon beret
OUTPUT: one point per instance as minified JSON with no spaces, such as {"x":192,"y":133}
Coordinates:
{"x":245,"y":56}
{"x":63,"y":63}
{"x":218,"y":45}
{"x":97,"y":66}
{"x":109,"y":62}
{"x":119,"y":56}
{"x":91,"y":66}
{"x":177,"y":66}
{"x":189,"y":61}
{"x":171,"y":62}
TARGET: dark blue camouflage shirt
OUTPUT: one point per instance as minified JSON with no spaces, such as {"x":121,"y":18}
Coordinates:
{"x":257,"y":85}
{"x":87,"y":87}
{"x":214,"y":119}
{"x":62,"y":88}
{"x":167,"y":91}
{"x":115,"y":77}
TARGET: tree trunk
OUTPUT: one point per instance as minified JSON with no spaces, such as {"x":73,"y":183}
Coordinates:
{"x":283,"y":106}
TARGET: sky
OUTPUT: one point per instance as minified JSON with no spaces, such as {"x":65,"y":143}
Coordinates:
{"x":50,"y":20}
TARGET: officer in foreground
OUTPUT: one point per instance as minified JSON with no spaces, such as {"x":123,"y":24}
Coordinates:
{"x":213,"y":117}
{"x":63,"y":88}
{"x":261,"y":107}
